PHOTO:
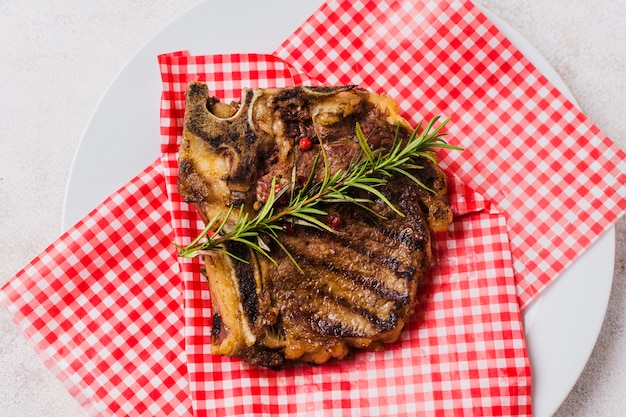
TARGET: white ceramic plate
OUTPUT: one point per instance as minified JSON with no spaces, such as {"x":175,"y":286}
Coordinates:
{"x":122,"y":138}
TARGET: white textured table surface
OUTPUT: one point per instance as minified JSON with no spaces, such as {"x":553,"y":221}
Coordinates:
{"x":58,"y":59}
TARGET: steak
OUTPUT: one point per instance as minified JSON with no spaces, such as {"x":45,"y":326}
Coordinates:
{"x":325,"y":293}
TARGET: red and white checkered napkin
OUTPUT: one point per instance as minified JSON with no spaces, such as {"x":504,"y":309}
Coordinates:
{"x":559,"y":180}
{"x":463,"y":354}
{"x":102,"y":306}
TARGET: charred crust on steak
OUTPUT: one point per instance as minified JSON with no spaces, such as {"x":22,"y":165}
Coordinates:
{"x":244,"y":272}
{"x":216,"y":326}
{"x":357,"y":288}
{"x":194,"y":187}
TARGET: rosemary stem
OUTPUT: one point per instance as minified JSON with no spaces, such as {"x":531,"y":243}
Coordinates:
{"x":367,"y":172}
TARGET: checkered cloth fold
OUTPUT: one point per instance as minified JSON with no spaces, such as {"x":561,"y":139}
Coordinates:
{"x":126,"y":326}
{"x":464,"y":351}
{"x":102,"y":306}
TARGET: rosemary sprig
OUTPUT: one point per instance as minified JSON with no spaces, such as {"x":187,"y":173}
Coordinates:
{"x":370,"y":170}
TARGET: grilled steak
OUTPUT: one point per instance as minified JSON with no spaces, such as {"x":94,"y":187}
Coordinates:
{"x":355,"y":288}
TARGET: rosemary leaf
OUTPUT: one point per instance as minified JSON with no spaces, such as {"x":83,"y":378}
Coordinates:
{"x":368,"y":171}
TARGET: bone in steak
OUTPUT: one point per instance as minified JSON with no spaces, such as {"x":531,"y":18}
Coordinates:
{"x":359,"y":286}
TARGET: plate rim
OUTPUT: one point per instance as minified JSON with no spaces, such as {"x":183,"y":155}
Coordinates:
{"x":78,"y":201}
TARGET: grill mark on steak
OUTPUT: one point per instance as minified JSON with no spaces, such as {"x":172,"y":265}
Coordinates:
{"x":377,"y":250}
{"x":216,"y":326}
{"x":314,"y":321}
{"x":244,"y":271}
{"x":380,"y":323}
{"x":330,"y":254}
{"x":404,"y":237}
{"x":329,"y":328}
{"x":394,"y":264}
{"x":367,"y":282}
{"x":332,"y":301}
{"x":337,"y":316}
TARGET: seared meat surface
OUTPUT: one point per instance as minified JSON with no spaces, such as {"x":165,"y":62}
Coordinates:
{"x":356,"y":288}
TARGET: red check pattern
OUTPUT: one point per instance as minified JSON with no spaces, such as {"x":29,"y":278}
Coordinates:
{"x":465,"y":347}
{"x":557,"y":177}
{"x":102,"y":306}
